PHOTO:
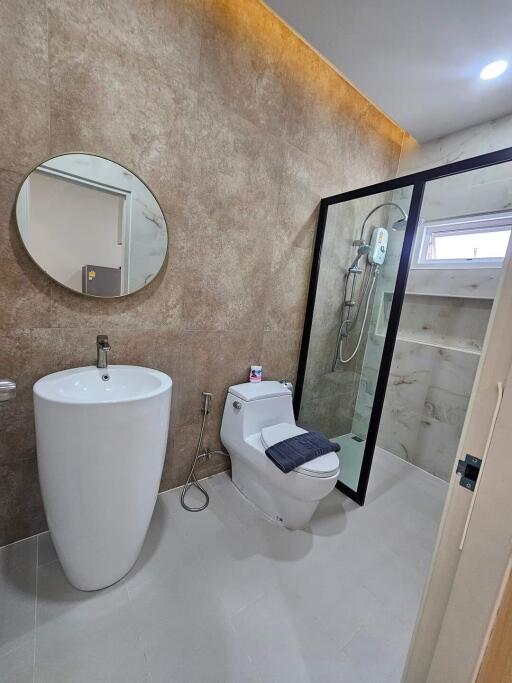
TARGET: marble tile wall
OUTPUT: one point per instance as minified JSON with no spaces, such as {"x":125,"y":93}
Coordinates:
{"x":439,"y":320}
{"x":239,"y":129}
{"x":425,"y":405}
{"x":430,"y":386}
{"x":434,"y":365}
{"x":469,"y":142}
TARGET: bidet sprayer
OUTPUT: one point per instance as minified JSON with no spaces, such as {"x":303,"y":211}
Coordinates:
{"x":207,"y":400}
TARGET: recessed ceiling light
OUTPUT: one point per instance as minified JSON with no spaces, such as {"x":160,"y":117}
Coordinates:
{"x":493,"y":70}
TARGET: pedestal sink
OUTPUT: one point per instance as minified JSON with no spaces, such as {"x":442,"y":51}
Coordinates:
{"x":101,"y":440}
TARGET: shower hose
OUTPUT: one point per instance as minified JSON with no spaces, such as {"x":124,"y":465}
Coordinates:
{"x":370,"y":285}
{"x":207,"y":453}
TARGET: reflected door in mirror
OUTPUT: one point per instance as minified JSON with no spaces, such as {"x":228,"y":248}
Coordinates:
{"x":92,"y":225}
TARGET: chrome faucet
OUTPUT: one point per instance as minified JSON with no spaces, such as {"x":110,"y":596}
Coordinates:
{"x":102,"y":349}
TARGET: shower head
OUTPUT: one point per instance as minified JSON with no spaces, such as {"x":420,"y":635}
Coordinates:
{"x":400,"y":224}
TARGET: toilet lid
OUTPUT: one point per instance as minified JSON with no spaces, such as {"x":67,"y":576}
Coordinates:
{"x":323,"y":466}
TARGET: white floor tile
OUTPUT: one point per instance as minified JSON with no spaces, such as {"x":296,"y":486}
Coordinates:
{"x":165,"y":552}
{"x":237,"y":508}
{"x":17,"y":666}
{"x":84,"y":637}
{"x":233,"y":569}
{"x":374,"y":654}
{"x":396,"y":585}
{"x":200,"y":526}
{"x":286,"y":641}
{"x":45,"y":549}
{"x":188,"y":647}
{"x":17,"y":595}
{"x":225,"y":595}
{"x":340,"y":602}
{"x":334,"y":515}
{"x":186,"y":633}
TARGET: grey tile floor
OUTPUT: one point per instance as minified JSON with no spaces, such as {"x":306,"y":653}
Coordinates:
{"x":226,"y":596}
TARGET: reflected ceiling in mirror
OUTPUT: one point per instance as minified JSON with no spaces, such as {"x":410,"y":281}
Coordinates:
{"x":92,"y":225}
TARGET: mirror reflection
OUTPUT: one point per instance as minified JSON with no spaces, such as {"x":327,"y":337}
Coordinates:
{"x":92,"y":225}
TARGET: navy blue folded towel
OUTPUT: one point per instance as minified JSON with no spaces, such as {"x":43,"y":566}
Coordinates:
{"x":297,"y":450}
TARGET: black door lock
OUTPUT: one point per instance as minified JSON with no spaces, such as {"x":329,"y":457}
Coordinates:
{"x":469,"y":468}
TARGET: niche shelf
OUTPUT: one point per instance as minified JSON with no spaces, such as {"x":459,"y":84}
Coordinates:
{"x":448,"y":295}
{"x":458,"y":349}
{"x":455,"y":323}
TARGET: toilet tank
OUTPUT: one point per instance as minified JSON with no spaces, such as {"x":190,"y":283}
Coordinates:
{"x":250,"y":407}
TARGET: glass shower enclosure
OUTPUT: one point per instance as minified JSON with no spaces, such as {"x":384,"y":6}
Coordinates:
{"x":358,"y":280}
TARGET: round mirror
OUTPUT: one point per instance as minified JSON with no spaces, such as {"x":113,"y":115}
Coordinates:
{"x":92,"y":225}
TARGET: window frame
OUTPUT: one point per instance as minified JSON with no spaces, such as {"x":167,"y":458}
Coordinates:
{"x":491,"y":222}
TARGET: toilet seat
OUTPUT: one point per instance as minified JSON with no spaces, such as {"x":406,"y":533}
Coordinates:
{"x":323,"y":466}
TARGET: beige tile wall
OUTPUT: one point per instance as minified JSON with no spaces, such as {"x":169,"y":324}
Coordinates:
{"x":239,"y":128}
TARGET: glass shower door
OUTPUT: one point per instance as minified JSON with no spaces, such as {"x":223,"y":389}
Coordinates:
{"x":358,"y":273}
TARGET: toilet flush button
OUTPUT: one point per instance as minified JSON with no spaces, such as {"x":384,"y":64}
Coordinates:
{"x":237,"y":405}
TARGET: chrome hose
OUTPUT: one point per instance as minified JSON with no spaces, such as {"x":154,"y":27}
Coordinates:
{"x":191,"y":479}
{"x":361,"y":331}
{"x":366,"y":294}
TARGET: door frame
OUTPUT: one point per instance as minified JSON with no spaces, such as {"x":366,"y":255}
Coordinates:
{"x":474,"y":544}
{"x":417,"y":181}
{"x":125,"y":227}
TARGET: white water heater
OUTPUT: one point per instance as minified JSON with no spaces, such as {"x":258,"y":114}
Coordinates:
{"x":378,"y":246}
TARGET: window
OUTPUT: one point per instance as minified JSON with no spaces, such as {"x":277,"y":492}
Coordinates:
{"x":478,"y":241}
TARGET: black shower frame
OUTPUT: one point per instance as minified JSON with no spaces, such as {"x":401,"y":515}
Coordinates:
{"x":417,"y":181}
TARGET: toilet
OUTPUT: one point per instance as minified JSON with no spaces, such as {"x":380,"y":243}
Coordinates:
{"x":255,"y":417}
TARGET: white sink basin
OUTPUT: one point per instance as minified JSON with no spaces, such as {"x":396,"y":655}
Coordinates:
{"x":100,"y":448}
{"x":85,"y":385}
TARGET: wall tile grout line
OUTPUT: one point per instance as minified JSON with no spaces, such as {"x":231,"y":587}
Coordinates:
{"x":49,"y":94}
{"x":140,"y":636}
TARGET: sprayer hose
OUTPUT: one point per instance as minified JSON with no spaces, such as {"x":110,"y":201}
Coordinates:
{"x":191,"y":479}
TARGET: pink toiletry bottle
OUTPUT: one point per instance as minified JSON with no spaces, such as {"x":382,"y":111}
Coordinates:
{"x":255,"y":374}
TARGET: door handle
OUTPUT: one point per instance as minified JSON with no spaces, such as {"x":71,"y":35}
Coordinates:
{"x":482,"y":464}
